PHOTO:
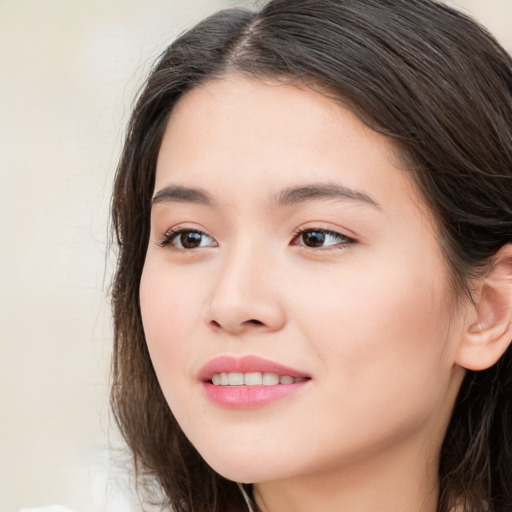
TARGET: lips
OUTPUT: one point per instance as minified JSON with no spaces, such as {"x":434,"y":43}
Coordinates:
{"x":249,"y":382}
{"x":245,"y":365}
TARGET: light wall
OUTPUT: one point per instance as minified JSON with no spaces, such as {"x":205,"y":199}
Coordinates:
{"x":69,"y":70}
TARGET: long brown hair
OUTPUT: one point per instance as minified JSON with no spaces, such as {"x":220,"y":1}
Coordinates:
{"x":415,"y":70}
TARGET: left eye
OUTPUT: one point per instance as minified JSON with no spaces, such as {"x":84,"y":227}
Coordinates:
{"x":318,"y":238}
{"x":187,"y":239}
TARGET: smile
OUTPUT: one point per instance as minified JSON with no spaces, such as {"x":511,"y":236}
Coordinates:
{"x":249,"y":382}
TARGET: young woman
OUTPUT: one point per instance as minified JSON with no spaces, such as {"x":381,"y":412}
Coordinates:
{"x":313,"y":300}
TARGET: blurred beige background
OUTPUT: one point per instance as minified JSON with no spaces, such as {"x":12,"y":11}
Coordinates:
{"x":69,"y":70}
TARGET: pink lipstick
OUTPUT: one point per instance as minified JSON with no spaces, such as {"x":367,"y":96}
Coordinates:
{"x":249,"y":381}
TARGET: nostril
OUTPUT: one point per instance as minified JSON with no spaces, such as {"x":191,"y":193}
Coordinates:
{"x":236,"y":327}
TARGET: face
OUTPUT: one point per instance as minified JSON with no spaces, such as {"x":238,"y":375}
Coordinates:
{"x":294,"y":295}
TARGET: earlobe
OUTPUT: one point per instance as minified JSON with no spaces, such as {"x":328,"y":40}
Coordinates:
{"x":488,"y":332}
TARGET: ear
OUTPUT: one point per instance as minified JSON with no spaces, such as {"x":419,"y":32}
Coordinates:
{"x":488,"y":330}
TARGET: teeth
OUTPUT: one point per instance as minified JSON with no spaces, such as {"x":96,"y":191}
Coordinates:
{"x":253,"y":379}
{"x":236,"y":379}
{"x":270,"y":379}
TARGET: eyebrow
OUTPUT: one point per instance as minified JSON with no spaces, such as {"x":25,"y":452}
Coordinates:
{"x":178,"y":194}
{"x":287,"y":197}
{"x":319,"y":191}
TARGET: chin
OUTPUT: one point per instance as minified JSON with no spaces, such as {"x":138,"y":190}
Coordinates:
{"x":246,"y":468}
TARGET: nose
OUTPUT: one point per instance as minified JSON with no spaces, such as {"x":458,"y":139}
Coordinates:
{"x":246,"y":295}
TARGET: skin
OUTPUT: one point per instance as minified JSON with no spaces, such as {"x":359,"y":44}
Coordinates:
{"x":369,"y":315}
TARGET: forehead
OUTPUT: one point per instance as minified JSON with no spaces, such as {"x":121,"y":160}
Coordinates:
{"x":270,"y":129}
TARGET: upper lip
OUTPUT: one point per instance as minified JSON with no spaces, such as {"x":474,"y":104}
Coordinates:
{"x":245,"y":364}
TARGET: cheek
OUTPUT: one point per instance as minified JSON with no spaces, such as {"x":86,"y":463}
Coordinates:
{"x":170,"y":309}
{"x":382,"y":335}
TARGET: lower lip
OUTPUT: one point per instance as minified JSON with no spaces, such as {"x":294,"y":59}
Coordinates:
{"x":250,"y":397}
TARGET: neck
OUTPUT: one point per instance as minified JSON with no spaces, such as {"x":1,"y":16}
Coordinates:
{"x":383,"y":484}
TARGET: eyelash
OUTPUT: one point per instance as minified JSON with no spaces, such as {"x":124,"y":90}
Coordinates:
{"x":174,"y":233}
{"x":344,"y":243}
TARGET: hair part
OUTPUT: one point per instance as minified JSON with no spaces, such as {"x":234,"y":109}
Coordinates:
{"x":416,"y":71}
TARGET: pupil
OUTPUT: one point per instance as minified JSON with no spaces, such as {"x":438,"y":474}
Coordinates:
{"x":314,"y":238}
{"x":190,"y":240}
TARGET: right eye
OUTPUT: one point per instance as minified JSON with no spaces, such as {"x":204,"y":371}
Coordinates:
{"x":187,"y":239}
